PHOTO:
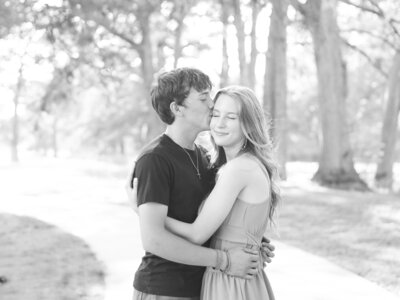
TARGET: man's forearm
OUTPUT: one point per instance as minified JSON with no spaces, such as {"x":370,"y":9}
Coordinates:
{"x":169,"y":246}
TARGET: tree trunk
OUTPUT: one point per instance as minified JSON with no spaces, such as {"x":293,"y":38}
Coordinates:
{"x":146,"y":56}
{"x":275,"y":80}
{"x":241,"y":39}
{"x":255,"y":10}
{"x":181,"y":9}
{"x":225,"y":58}
{"x":146,"y":52}
{"x":15,"y":136}
{"x":384,"y":173}
{"x":336,"y":167}
{"x":54,"y":134}
{"x":177,"y":44}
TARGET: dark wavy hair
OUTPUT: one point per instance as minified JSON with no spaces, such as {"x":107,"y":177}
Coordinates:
{"x":174,"y":86}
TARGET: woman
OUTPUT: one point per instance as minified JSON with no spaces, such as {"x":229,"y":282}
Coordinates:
{"x":245,"y":196}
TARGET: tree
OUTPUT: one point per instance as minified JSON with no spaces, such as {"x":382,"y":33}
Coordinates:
{"x":13,"y":16}
{"x":246,"y":66}
{"x":178,"y":14}
{"x":57,"y":95}
{"x":275,"y":79}
{"x":390,"y":36}
{"x":336,"y":166}
{"x":224,"y":15}
{"x":241,"y":38}
{"x":16,"y":99}
{"x":384,"y":173}
{"x":131,"y":23}
{"x":256,"y":6}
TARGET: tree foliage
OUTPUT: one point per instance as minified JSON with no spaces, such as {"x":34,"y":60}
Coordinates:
{"x":96,"y":61}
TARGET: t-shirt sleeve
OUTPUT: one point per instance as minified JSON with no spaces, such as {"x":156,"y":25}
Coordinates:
{"x":153,"y":174}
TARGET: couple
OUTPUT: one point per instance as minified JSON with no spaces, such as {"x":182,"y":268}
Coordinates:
{"x":174,"y":177}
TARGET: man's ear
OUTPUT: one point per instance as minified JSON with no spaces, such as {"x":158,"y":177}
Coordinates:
{"x":175,"y":108}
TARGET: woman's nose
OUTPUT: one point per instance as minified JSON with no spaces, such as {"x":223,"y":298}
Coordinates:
{"x":221,"y":122}
{"x":210,"y":103}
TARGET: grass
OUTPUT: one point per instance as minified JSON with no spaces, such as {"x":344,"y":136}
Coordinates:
{"x":357,"y":231}
{"x":39,"y":262}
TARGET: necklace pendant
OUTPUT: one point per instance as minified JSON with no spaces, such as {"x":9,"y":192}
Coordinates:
{"x":198,"y":174}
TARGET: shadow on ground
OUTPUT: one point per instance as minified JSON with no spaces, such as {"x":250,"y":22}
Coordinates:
{"x":39,"y":261}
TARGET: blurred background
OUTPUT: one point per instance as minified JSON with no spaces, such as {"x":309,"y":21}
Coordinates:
{"x":75,"y":75}
{"x":74,"y":95}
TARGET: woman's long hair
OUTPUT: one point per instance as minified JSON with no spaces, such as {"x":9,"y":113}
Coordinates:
{"x":255,"y":128}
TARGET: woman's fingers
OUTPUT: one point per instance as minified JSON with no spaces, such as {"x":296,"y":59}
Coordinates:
{"x":135,"y":183}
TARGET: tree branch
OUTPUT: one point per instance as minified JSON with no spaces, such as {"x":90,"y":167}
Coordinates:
{"x":107,"y":26}
{"x":300,"y":7}
{"x":364,"y":8}
{"x":113,"y":31}
{"x":367,"y":57}
{"x":370,"y":33}
{"x":377,"y":10}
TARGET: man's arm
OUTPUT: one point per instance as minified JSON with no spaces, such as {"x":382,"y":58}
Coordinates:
{"x":159,"y":241}
{"x":153,"y":186}
{"x":267,"y":249}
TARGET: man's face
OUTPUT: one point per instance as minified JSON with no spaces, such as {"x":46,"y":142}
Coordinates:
{"x":197,"y":109}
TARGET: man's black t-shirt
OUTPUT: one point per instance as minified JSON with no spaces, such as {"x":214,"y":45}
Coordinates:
{"x":167,"y":176}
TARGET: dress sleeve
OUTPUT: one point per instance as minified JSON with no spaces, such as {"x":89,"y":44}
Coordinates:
{"x":154,"y":179}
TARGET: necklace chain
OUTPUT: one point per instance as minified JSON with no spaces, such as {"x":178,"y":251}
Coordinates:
{"x":196,"y":166}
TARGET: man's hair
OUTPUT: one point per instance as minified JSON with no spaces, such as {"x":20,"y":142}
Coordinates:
{"x":175,"y":86}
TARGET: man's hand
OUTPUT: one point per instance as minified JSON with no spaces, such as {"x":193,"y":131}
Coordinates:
{"x":132,"y":193}
{"x":267,"y":250}
{"x":244,"y":263}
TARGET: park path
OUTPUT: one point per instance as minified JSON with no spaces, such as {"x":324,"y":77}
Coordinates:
{"x":87,"y":199}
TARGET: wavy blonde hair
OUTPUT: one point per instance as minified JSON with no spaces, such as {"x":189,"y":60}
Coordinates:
{"x":255,"y":128}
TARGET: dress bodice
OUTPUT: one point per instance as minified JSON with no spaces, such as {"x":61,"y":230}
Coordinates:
{"x":245,"y":224}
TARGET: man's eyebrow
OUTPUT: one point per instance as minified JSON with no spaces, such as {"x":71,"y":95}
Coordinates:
{"x":205,"y":93}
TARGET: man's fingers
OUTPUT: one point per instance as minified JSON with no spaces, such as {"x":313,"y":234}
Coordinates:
{"x":265,"y":240}
{"x":268,"y":246}
{"x":266,"y":258}
{"x":266,"y":252}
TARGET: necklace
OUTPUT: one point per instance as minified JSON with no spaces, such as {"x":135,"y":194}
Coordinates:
{"x":196,"y":166}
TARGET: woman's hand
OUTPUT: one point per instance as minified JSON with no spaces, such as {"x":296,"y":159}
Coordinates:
{"x":131,"y":192}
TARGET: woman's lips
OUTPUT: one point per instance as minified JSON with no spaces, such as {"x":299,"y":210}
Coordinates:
{"x":219,"y":133}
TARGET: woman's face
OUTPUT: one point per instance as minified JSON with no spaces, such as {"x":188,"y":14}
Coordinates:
{"x":225,"y":124}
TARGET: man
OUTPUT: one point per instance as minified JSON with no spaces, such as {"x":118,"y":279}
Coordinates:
{"x":173,"y":179}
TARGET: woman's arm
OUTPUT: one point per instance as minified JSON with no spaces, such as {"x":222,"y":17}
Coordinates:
{"x":217,"y":206}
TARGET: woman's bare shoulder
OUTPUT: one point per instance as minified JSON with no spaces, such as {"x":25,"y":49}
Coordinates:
{"x":243,"y":164}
